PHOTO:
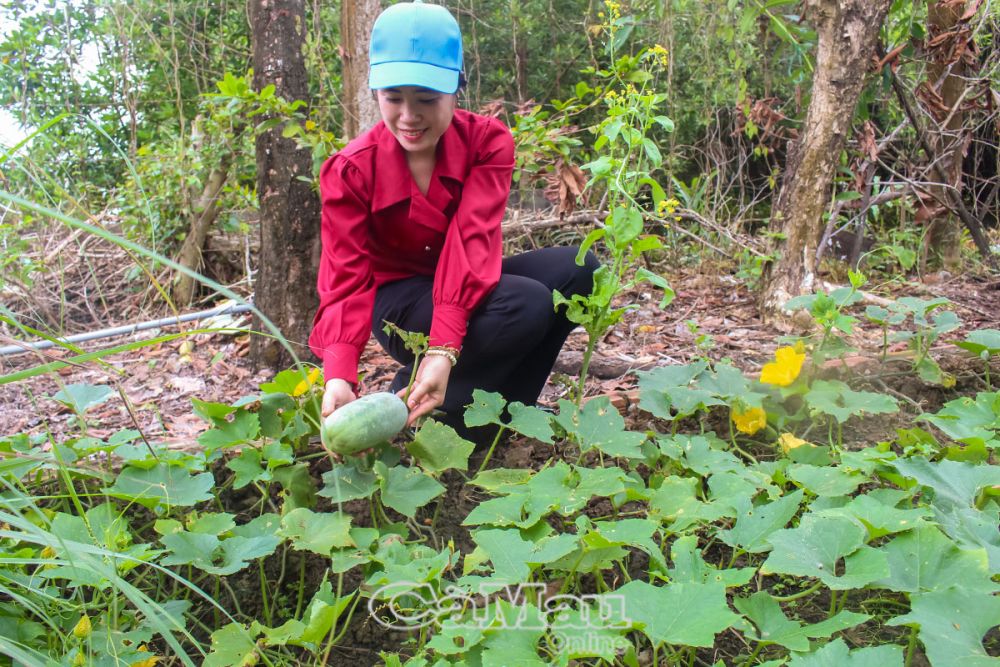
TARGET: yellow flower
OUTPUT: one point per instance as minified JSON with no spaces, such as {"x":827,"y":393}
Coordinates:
{"x":788,"y":442}
{"x":310,"y":125}
{"x":750,"y":420}
{"x":83,"y":627}
{"x":661,"y":55}
{"x":786,"y":366}
{"x":306,"y":384}
{"x":667,"y":207}
{"x":48,"y":552}
{"x":148,"y":662}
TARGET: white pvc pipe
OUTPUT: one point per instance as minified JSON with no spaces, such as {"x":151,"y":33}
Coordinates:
{"x":126,"y":329}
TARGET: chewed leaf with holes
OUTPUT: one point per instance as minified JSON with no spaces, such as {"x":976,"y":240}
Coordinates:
{"x":815,"y":549}
{"x":598,"y":425}
{"x":162,"y":486}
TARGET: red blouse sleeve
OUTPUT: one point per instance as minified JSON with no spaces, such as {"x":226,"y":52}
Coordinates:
{"x":345,"y":282}
{"x":469,"y":266}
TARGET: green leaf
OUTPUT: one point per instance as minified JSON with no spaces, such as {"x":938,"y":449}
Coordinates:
{"x":652,"y":152}
{"x":300,"y":489}
{"x":757,"y":523}
{"x":530,"y":421}
{"x":664,"y":122}
{"x":577,"y":633}
{"x":437,"y":447}
{"x":244,"y":428}
{"x":680,"y":614}
{"x":954,"y":484}
{"x":408,"y":489}
{"x":248,"y":468}
{"x":676,"y":501}
{"x":232,"y":646}
{"x":504,"y":511}
{"x":970,"y":421}
{"x":81,"y":397}
{"x":486,"y":408}
{"x":162,"y":486}
{"x":690,"y":567}
{"x":511,"y":640}
{"x":980,"y":341}
{"x":878,"y":513}
{"x":190,"y":548}
{"x":500,"y":480}
{"x":924,"y":559}
{"x":974,"y":529}
{"x":773,"y":627}
{"x":636,"y":533}
{"x":212,"y":412}
{"x":346,"y":482}
{"x":219,"y":557}
{"x":952,"y":623}
{"x":277,"y":454}
{"x":655,"y":189}
{"x":323,"y":611}
{"x":285,"y":382}
{"x":825,"y":480}
{"x":212,"y":523}
{"x":836,"y":654}
{"x":701,"y":454}
{"x":514,"y":557}
{"x":593,"y":237}
{"x":409,"y":566}
{"x":645,"y":275}
{"x":319,"y":533}
{"x":598,"y":425}
{"x":814,"y":548}
{"x":835,"y":398}
{"x":670,"y":392}
{"x":455,"y":637}
{"x":624,"y":225}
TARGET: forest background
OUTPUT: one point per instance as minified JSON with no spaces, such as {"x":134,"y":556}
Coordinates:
{"x":146,"y":115}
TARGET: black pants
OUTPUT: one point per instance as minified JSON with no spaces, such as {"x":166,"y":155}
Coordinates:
{"x":513,"y":337}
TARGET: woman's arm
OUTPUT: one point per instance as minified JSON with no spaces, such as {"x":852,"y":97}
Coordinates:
{"x":469,"y":265}
{"x":345,"y":282}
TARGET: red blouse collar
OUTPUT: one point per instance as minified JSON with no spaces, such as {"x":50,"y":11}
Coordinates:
{"x":451,"y":161}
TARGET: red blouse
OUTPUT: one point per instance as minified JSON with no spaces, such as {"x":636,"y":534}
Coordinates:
{"x":377,"y":227}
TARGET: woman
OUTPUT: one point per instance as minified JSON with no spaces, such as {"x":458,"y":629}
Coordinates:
{"x":411,"y":235}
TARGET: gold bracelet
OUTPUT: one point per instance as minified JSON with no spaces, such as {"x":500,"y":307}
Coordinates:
{"x":449,"y":353}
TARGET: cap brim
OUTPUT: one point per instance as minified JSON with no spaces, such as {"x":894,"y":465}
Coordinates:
{"x":393,"y":74}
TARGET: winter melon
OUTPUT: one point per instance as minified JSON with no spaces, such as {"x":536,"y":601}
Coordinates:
{"x":363,"y":423}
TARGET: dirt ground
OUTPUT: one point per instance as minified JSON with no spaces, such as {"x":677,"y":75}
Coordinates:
{"x":159,"y":381}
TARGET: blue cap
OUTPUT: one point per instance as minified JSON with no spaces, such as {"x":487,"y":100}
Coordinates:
{"x":414,"y":44}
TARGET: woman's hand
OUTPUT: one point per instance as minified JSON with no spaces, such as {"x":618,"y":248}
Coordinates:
{"x":428,"y":388}
{"x":336,"y":394}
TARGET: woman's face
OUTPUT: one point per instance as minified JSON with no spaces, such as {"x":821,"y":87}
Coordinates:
{"x":417,"y":117}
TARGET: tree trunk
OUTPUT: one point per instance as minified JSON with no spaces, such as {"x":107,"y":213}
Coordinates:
{"x":356,"y":20}
{"x":848,"y":31}
{"x":285,"y":289}
{"x":943,"y":93}
{"x":205,"y":211}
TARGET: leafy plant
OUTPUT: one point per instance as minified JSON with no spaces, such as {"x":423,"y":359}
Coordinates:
{"x":931,"y":322}
{"x":627,"y":154}
{"x":985,"y":344}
